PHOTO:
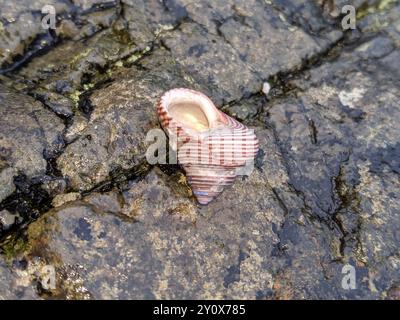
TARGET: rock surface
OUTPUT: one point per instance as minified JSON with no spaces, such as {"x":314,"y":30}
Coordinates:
{"x":80,"y":204}
{"x":28,"y":134}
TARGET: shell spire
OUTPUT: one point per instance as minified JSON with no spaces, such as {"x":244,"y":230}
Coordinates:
{"x":212,"y":147}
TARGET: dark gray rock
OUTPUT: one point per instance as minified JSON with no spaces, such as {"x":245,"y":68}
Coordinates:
{"x":5,"y":281}
{"x":69,"y":68}
{"x":59,"y":104}
{"x":273,"y":47}
{"x":28,"y":133}
{"x":375,"y":48}
{"x":152,"y":16}
{"x":6,"y":182}
{"x":246,"y":109}
{"x":380,"y":17}
{"x":265,"y":39}
{"x":332,"y":138}
{"x":20,"y":26}
{"x":211,"y":62}
{"x":390,"y":63}
{"x":310,"y":15}
{"x":124,"y":112}
{"x":324,"y":191}
{"x":22,"y":34}
{"x":172,"y":243}
{"x":153,"y":241}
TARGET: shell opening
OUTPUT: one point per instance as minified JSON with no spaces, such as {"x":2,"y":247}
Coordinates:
{"x":191,"y":109}
{"x":190,"y":114}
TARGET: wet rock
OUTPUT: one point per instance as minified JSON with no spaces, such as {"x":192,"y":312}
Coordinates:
{"x":394,"y":293}
{"x":338,"y":154}
{"x":308,"y":14}
{"x":257,"y":31}
{"x":324,"y":191}
{"x":4,"y":285}
{"x":22,"y":34}
{"x":91,"y":17}
{"x":61,"y":199}
{"x":170,"y":231}
{"x":79,"y":123}
{"x":67,"y":29}
{"x":14,"y":284}
{"x":28,"y":133}
{"x":19,"y":29}
{"x":389,"y":62}
{"x":267,"y":42}
{"x":53,"y":184}
{"x":380,"y":17}
{"x":110,"y":202}
{"x":246,"y":109}
{"x":152,"y":195}
{"x":208,"y":15}
{"x":154,"y":15}
{"x":6,"y":182}
{"x":89,"y":4}
{"x":59,"y":104}
{"x":123,"y":114}
{"x":375,"y":48}
{"x":379,"y":225}
{"x":69,"y":68}
{"x":5,"y":282}
{"x":73,"y":68}
{"x":158,"y":243}
{"x":205,"y":57}
{"x":14,"y":44}
{"x":20,"y":280}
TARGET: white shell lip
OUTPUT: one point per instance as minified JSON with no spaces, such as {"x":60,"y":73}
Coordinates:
{"x":183,"y":95}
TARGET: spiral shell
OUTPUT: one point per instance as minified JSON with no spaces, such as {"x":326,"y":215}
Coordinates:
{"x":212,"y":147}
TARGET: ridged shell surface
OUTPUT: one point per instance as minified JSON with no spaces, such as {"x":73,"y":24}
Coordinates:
{"x":212,"y":147}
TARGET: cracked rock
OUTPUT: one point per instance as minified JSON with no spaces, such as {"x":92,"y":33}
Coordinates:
{"x":22,"y":34}
{"x":211,"y":62}
{"x":77,"y":194}
{"x":337,"y":136}
{"x":28,"y":132}
{"x":240,"y":246}
{"x":268,"y":43}
{"x":114,"y":139}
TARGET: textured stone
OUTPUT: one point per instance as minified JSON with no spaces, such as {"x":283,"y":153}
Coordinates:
{"x":311,"y":15}
{"x":28,"y":133}
{"x":211,"y":62}
{"x":170,"y":231}
{"x":61,"y":199}
{"x":114,"y":139}
{"x":251,"y":242}
{"x":338,"y":137}
{"x":375,"y":48}
{"x":6,"y":182}
{"x":267,"y":42}
{"x":324,"y":191}
{"x":22,"y":33}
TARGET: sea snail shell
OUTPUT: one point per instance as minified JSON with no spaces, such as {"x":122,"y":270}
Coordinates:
{"x":212,"y":147}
